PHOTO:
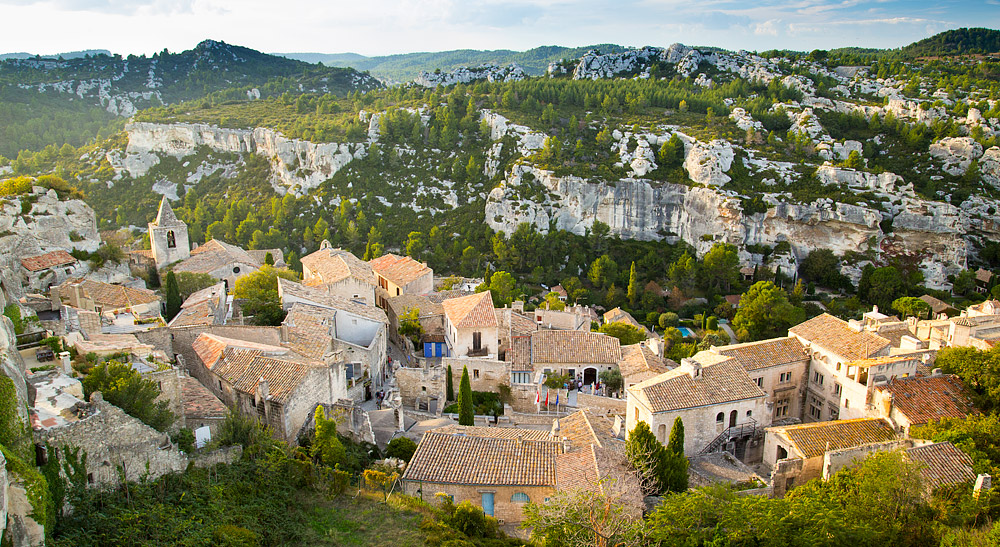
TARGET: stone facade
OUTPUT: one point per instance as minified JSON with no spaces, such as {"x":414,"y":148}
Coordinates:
{"x":503,"y":507}
{"x":168,"y":236}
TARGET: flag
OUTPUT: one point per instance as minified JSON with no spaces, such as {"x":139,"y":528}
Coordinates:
{"x":557,"y":399}
{"x":546,"y":399}
{"x":537,"y":397}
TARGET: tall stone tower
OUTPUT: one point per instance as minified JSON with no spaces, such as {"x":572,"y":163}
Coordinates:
{"x":168,"y":236}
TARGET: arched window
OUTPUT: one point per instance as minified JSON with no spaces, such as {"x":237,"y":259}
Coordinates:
{"x":171,"y":240}
{"x":733,"y":416}
{"x":749,"y":413}
{"x":661,"y":434}
{"x":719,"y":418}
{"x":520,"y":497}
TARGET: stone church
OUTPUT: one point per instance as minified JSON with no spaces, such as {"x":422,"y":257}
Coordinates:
{"x":168,"y":236}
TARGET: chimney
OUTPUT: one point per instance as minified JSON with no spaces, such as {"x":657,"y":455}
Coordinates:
{"x":520,"y":439}
{"x":566,"y":445}
{"x":983,"y":482}
{"x":936,"y":372}
{"x":262,"y":390}
{"x":692,"y":367}
{"x":67,"y":367}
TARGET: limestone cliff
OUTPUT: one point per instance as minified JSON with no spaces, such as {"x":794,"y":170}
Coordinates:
{"x":464,"y":75}
{"x":39,"y":221}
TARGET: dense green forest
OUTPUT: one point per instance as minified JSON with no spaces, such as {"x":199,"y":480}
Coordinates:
{"x":963,"y":41}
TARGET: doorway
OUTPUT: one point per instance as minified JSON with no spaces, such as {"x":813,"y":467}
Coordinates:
{"x":732,"y":418}
{"x":589,"y":376}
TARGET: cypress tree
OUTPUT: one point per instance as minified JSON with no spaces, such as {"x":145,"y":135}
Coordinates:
{"x":466,"y":412}
{"x":648,"y":456}
{"x":173,"y":296}
{"x":633,"y":287}
{"x":676,"y":467}
{"x":449,"y":386}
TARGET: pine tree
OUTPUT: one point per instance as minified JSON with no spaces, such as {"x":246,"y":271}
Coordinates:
{"x":466,"y":412}
{"x":633,"y":287}
{"x":449,"y":386}
{"x":677,"y":465}
{"x":173,"y":296}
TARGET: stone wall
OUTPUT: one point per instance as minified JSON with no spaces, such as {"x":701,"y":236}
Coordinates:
{"x":835,"y":460}
{"x":503,"y":507}
{"x":3,"y":494}
{"x":114,"y":440}
{"x":169,"y":382}
{"x":419,"y":385}
{"x":225,"y":455}
{"x":159,"y":338}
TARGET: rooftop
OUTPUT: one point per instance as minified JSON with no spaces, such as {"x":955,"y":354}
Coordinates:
{"x":199,"y":401}
{"x":766,"y":353}
{"x":322,"y":299}
{"x":213,"y":255}
{"x":460,"y":458}
{"x":814,"y":439}
{"x":584,"y":428}
{"x":570,"y":346}
{"x":50,"y":259}
{"x":333,"y":265}
{"x":719,"y":382}
{"x":473,"y":311}
{"x":937,"y":306}
{"x":165,"y":215}
{"x":401,"y":270}
{"x":637,"y":359}
{"x":210,"y":348}
{"x":942,"y":464}
{"x":107,"y":295}
{"x":925,"y":398}
{"x":835,"y":336}
{"x":245,"y":368}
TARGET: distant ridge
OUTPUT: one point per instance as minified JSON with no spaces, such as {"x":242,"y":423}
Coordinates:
{"x":65,"y":55}
{"x":404,"y":67}
{"x":963,"y":41}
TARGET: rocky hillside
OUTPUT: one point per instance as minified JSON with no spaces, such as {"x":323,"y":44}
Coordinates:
{"x":885,"y":161}
{"x":45,"y":97}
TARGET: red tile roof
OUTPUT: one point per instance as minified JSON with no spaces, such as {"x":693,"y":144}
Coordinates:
{"x":578,"y":347}
{"x":458,"y":458}
{"x":814,"y":439}
{"x":766,"y":353}
{"x":245,"y":368}
{"x":199,"y":401}
{"x":941,"y":464}
{"x":475,"y":310}
{"x":925,"y":398}
{"x":48,"y":260}
{"x":835,"y":336}
{"x":720,"y":382}
{"x":333,"y":265}
{"x":401,"y":270}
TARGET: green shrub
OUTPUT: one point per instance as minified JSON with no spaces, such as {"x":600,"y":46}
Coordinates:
{"x":402,"y":448}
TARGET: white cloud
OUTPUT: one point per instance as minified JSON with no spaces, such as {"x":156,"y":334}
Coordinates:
{"x":767,"y":28}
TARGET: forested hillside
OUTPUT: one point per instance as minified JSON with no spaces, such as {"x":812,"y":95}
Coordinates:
{"x":406,"y":66}
{"x":58,"y":101}
{"x":963,"y":41}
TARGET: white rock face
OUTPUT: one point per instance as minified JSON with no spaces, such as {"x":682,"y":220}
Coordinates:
{"x":989,"y":166}
{"x":528,"y":140}
{"x":635,"y":209}
{"x":464,"y":75}
{"x":47,"y":227}
{"x":297,"y":166}
{"x":859,"y":180}
{"x":956,"y":153}
{"x":744,"y":120}
{"x":707,"y":163}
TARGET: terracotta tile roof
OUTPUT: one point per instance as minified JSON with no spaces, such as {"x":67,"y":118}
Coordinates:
{"x":618,"y":315}
{"x":213,"y":294}
{"x":812,"y":440}
{"x":734,"y":299}
{"x":513,"y":324}
{"x":51,"y":259}
{"x":210,"y":347}
{"x":495,"y":432}
{"x":941,"y":464}
{"x":428,"y":304}
{"x":834,"y":335}
{"x":107,"y":295}
{"x":309,"y":330}
{"x":766,"y":353}
{"x":720,"y":382}
{"x":558,"y":289}
{"x":321,"y":299}
{"x":984,"y":275}
{"x":333,"y":265}
{"x":473,"y":311}
{"x":401,"y":270}
{"x":584,"y":347}
{"x":202,"y":313}
{"x":884,"y":360}
{"x":199,"y":401}
{"x":584,"y":428}
{"x":244,"y":369}
{"x":456,"y":458}
{"x":638,"y":359}
{"x":925,"y":398}
{"x":937,"y":306}
{"x":576,"y":470}
{"x":519,"y":354}
{"x":165,"y":215}
{"x":213,"y":255}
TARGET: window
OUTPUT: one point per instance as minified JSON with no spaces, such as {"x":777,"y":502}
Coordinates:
{"x":781,"y":408}
{"x":817,"y":378}
{"x":759,"y":381}
{"x":637,"y":414}
{"x":520,"y":378}
{"x":236,"y":269}
{"x":520,"y":497}
{"x":720,"y":418}
{"x":171,"y":240}
{"x":749,"y":413}
{"x":847,"y":403}
{"x":815,"y":408}
{"x":475,"y":374}
{"x":785,"y":377}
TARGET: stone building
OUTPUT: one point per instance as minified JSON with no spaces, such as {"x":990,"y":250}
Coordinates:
{"x":778,"y":366}
{"x":581,"y":354}
{"x":222,"y":261}
{"x":919,"y":400}
{"x":340,"y":273}
{"x":271,"y":383}
{"x":43,"y":271}
{"x":639,"y":363}
{"x":471,"y":325}
{"x":168,"y":236}
{"x":398,"y":275}
{"x":833,"y":345}
{"x":201,"y":407}
{"x":796,"y":453}
{"x":209,"y":306}
{"x":95,"y":296}
{"x":714,"y":396}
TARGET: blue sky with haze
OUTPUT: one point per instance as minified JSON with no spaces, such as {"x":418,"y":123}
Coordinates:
{"x":380,"y":27}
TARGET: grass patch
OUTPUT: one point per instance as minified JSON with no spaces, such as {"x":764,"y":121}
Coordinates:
{"x":363,"y":520}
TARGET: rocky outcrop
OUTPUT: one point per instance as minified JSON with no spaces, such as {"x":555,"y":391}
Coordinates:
{"x":885,"y":183}
{"x":989,"y":166}
{"x":956,"y":153}
{"x":297,"y":165}
{"x":707,"y":163}
{"x":464,"y":75}
{"x":50,"y":224}
{"x":703,"y":216}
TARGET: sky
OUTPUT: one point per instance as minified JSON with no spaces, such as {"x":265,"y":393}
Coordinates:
{"x":381,"y":27}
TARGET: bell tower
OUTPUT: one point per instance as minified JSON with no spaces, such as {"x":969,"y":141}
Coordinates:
{"x":168,"y":236}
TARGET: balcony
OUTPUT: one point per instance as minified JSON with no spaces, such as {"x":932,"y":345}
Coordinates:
{"x":480,"y":352}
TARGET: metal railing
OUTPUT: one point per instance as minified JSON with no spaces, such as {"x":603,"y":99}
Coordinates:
{"x":741,"y":431}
